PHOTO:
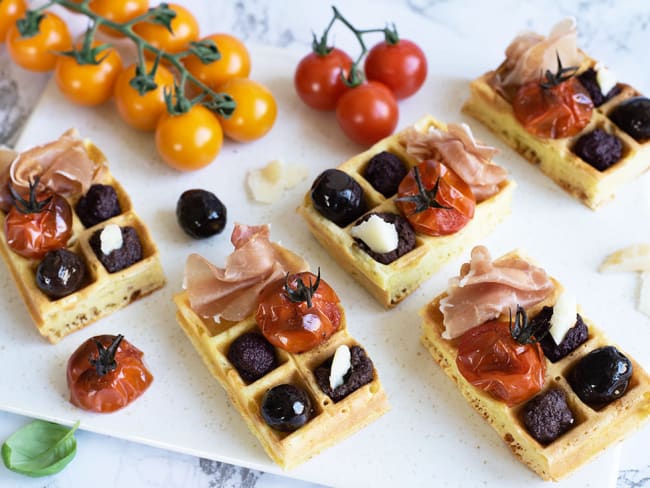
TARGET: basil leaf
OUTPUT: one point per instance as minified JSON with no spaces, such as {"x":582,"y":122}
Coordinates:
{"x":40,"y":448}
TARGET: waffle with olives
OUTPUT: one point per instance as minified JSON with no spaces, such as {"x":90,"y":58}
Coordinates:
{"x":591,"y":431}
{"x":391,"y":283}
{"x":101,"y":292}
{"x":557,"y":158}
{"x":330,"y":422}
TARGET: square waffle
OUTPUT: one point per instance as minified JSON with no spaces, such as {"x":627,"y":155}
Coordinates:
{"x":331,"y":421}
{"x":555,"y":157}
{"x":593,"y":430}
{"x":103,"y":292}
{"x":391,"y":283}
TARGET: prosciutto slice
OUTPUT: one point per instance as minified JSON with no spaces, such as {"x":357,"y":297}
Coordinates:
{"x":460,"y":151}
{"x":529,"y":55}
{"x":486,"y":289}
{"x":231,"y":292}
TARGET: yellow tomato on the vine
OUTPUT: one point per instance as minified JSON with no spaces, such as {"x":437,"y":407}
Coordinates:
{"x":189,"y":141}
{"x":10,"y":12}
{"x":235,"y":62}
{"x":185,"y":29}
{"x":119,"y":11}
{"x":142,"y":111}
{"x":38,"y":52}
{"x":255,"y":112}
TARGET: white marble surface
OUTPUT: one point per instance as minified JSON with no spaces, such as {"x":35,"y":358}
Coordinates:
{"x":615,"y":31}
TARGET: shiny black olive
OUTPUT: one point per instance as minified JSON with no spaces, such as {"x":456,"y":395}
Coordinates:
{"x":60,"y":273}
{"x":252,"y":356}
{"x":601,"y":376}
{"x":200,"y":213}
{"x":286,"y":407}
{"x":338,"y":197}
{"x":633,"y":116}
{"x":384,"y":172}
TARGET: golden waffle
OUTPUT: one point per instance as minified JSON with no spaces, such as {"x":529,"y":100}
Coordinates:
{"x":593,"y":431}
{"x":554,"y":156}
{"x":331,"y":422}
{"x":103,"y":292}
{"x":391,"y":283}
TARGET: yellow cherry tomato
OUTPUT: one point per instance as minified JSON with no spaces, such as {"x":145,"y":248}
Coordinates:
{"x":10,"y":12}
{"x":88,"y":84}
{"x":235,"y":62}
{"x":119,"y":11}
{"x":189,"y":141}
{"x":38,"y":52}
{"x":185,"y":29}
{"x":142,"y":111}
{"x":255,"y":113}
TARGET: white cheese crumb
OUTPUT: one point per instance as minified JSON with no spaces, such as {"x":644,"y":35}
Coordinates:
{"x":564,"y":316}
{"x":606,"y":79}
{"x":267,"y":184}
{"x":632,"y":258}
{"x":340,"y":366}
{"x":111,"y":238}
{"x":644,"y":294}
{"x":380,"y":236}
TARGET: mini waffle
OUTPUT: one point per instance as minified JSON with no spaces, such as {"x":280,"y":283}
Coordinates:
{"x":593,"y":431}
{"x":331,"y":422}
{"x":103,"y":292}
{"x":393,"y":282}
{"x":555,"y":156}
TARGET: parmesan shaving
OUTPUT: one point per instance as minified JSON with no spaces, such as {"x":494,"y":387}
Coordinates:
{"x":632,"y":258}
{"x":267,"y":184}
{"x":644,"y":294}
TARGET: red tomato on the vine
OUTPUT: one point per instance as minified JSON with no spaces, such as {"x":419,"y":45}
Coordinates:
{"x":298,"y":312}
{"x":10,"y":12}
{"x":106,"y":373}
{"x":402,"y":66}
{"x":318,"y":79}
{"x":185,"y":28}
{"x":367,"y":113}
{"x":440,"y":211}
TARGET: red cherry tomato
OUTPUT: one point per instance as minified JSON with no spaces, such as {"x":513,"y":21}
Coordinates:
{"x":367,"y":113}
{"x":291,"y":322}
{"x":106,"y":373}
{"x":490,"y":359}
{"x":402,"y":66}
{"x":319,"y":78}
{"x":558,"y":111}
{"x":32,"y":230}
{"x":452,"y":192}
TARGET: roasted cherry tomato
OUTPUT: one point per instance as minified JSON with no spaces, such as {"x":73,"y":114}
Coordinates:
{"x":435,"y":200}
{"x":189,"y":141}
{"x":88,"y":84}
{"x":556,"y":108}
{"x":185,"y":29}
{"x":106,"y":373}
{"x":491,"y":358}
{"x":255,"y":113}
{"x":367,"y":113}
{"x":38,"y":52}
{"x":235,"y":62}
{"x":142,"y":111}
{"x":39,"y":224}
{"x":118,"y":11}
{"x":400,"y":65}
{"x":298,"y":312}
{"x":10,"y":12}
{"x":318,"y":79}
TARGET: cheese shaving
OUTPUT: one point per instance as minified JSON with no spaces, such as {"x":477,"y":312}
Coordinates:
{"x":632,"y":258}
{"x":267,"y":184}
{"x":340,"y":366}
{"x":644,"y":294}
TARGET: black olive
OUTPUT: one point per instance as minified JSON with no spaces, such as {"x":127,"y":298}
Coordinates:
{"x":286,"y":407}
{"x":252,"y":356}
{"x":599,"y":148}
{"x":384,"y":172}
{"x":100,"y":203}
{"x":60,"y":273}
{"x":633,"y":116}
{"x":200,"y":213}
{"x":338,"y":197}
{"x":601,"y":376}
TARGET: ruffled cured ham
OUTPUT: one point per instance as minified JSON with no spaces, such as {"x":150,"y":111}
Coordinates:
{"x":63,"y":166}
{"x":486,"y":289}
{"x":529,"y":55}
{"x":460,"y":151}
{"x":231,"y":292}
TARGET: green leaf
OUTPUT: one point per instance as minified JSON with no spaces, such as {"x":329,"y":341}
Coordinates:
{"x":40,"y":448}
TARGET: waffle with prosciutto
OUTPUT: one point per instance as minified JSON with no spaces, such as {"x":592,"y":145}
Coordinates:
{"x":75,"y":248}
{"x":394,"y":214}
{"x":275,"y":337}
{"x":517,"y":346}
{"x":566,"y":113}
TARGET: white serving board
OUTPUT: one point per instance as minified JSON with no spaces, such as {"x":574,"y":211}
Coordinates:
{"x":431,"y":436}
